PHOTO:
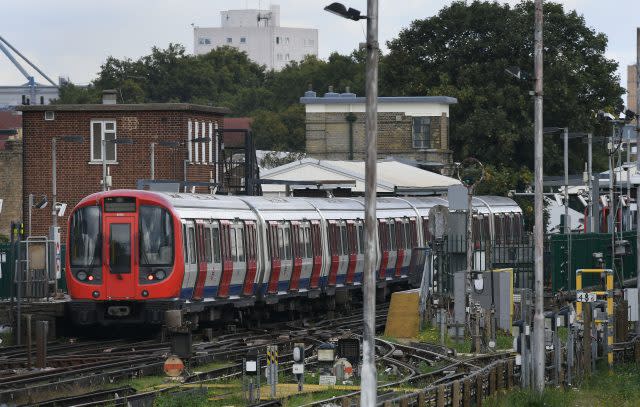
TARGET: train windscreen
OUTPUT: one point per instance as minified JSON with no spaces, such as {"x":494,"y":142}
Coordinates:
{"x":84,"y":240}
{"x":156,"y":236}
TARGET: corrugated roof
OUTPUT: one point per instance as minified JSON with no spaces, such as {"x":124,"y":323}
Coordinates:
{"x":391,"y":174}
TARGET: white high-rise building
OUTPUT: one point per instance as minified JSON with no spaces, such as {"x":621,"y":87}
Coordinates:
{"x":258,"y":33}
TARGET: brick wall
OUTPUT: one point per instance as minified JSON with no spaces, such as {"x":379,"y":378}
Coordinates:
{"x":327,"y":137}
{"x":10,"y":184}
{"x":77,"y":177}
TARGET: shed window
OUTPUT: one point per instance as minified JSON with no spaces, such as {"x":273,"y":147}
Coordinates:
{"x":421,"y":132}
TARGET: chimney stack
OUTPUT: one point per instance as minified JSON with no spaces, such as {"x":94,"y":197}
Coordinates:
{"x":109,"y":97}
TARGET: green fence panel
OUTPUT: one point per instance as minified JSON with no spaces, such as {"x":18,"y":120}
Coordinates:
{"x":8,"y":267}
{"x":583,"y":248}
{"x":6,"y":281}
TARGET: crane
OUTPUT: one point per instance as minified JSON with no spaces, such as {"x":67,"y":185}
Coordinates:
{"x":5,"y":47}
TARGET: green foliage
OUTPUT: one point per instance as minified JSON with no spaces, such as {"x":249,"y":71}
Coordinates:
{"x":463,"y":52}
{"x":620,"y":388}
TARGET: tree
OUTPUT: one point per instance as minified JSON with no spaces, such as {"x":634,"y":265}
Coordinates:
{"x":463,"y":52}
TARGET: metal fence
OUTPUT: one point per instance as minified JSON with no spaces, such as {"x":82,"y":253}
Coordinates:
{"x":27,"y":269}
{"x":450,"y":257}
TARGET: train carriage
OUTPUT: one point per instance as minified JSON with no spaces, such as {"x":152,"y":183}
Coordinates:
{"x":133,"y":254}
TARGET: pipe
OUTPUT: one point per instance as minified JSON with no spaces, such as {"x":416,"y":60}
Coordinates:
{"x":351,"y":118}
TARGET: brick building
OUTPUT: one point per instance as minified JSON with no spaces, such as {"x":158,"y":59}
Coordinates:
{"x":79,"y":166}
{"x":415,"y":128}
{"x":10,"y":169}
{"x":632,"y":88}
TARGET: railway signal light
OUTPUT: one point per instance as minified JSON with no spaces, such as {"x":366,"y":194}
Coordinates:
{"x":298,"y":364}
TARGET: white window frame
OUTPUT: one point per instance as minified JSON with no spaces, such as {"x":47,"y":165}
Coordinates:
{"x":103,"y":122}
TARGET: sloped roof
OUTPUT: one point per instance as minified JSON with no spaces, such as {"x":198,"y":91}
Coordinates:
{"x":392,"y":174}
{"x":10,"y":119}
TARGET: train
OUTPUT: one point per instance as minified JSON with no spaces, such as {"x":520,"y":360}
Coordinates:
{"x":131,"y":255}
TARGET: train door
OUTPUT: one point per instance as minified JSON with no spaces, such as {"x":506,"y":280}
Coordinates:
{"x":227,"y":259}
{"x":212,"y":258}
{"x":360,"y":252}
{"x":383,"y":238}
{"x":343,"y":252}
{"x":352,"y":251}
{"x":238,"y":255}
{"x":286,"y":256}
{"x":392,"y":245}
{"x":297,"y":253}
{"x":252,"y":264}
{"x":274,"y":254}
{"x":306,"y":254}
{"x":121,"y":281}
{"x":190,"y":266}
{"x":201,"y":270}
{"x":316,"y":247}
{"x":334,"y":252}
{"x":400,"y":238}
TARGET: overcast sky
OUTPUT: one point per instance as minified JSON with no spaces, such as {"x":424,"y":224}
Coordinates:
{"x":73,"y":37}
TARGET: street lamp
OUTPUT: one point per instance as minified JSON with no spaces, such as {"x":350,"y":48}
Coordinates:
{"x":368,"y":383}
{"x":104,"y":156}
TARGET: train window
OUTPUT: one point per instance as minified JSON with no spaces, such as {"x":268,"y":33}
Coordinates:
{"x":308,"y":242}
{"x":192,"y":245}
{"x":287,"y":242}
{"x":208,"y":255}
{"x":85,"y":250}
{"x":281,"y":243}
{"x":361,"y":237}
{"x":156,"y":236}
{"x":120,"y":248}
{"x":215,"y":240}
{"x":345,"y":241}
{"x":425,"y":230}
{"x":392,"y":236}
{"x":240,"y":244}
{"x":234,"y":252}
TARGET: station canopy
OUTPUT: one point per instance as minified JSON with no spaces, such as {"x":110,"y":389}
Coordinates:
{"x":393,"y":176}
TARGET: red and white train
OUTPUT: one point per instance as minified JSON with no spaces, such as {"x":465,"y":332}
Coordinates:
{"x":133,"y":254}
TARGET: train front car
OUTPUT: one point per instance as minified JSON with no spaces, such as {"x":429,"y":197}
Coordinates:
{"x":124,"y":261}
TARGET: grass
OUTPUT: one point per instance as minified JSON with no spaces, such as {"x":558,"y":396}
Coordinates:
{"x":431,"y":335}
{"x":619,"y":388}
{"x":307,"y":398}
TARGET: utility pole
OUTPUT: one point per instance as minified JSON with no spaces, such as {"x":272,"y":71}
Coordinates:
{"x":567,"y":223}
{"x":369,"y":379}
{"x":592,"y":216}
{"x":538,"y":318}
{"x":104,"y":163}
{"x":638,"y":170}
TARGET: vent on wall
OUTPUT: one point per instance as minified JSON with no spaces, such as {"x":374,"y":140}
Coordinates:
{"x":49,"y":115}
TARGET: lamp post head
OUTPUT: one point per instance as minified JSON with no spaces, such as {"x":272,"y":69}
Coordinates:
{"x":339,"y":9}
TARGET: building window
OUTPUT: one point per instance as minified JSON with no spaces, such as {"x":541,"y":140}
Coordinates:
{"x":421,"y":132}
{"x":277,"y":40}
{"x":279,"y":56}
{"x":286,"y":40}
{"x":204,"y":41}
{"x":103,"y":130}
{"x":308,"y":42}
{"x":243,"y":40}
{"x":229,"y":40}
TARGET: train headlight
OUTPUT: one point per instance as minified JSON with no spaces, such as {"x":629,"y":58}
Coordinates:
{"x":150,"y":277}
{"x":160,"y":274}
{"x":81,"y":275}
{"x":96,"y":294}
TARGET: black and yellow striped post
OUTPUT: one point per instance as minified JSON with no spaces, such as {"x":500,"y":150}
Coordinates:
{"x":272,"y":368}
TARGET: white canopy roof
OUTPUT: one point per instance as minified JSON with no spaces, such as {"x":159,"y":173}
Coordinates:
{"x":392,"y":174}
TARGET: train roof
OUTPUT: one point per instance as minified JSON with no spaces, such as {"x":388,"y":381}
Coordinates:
{"x":187,"y":203}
